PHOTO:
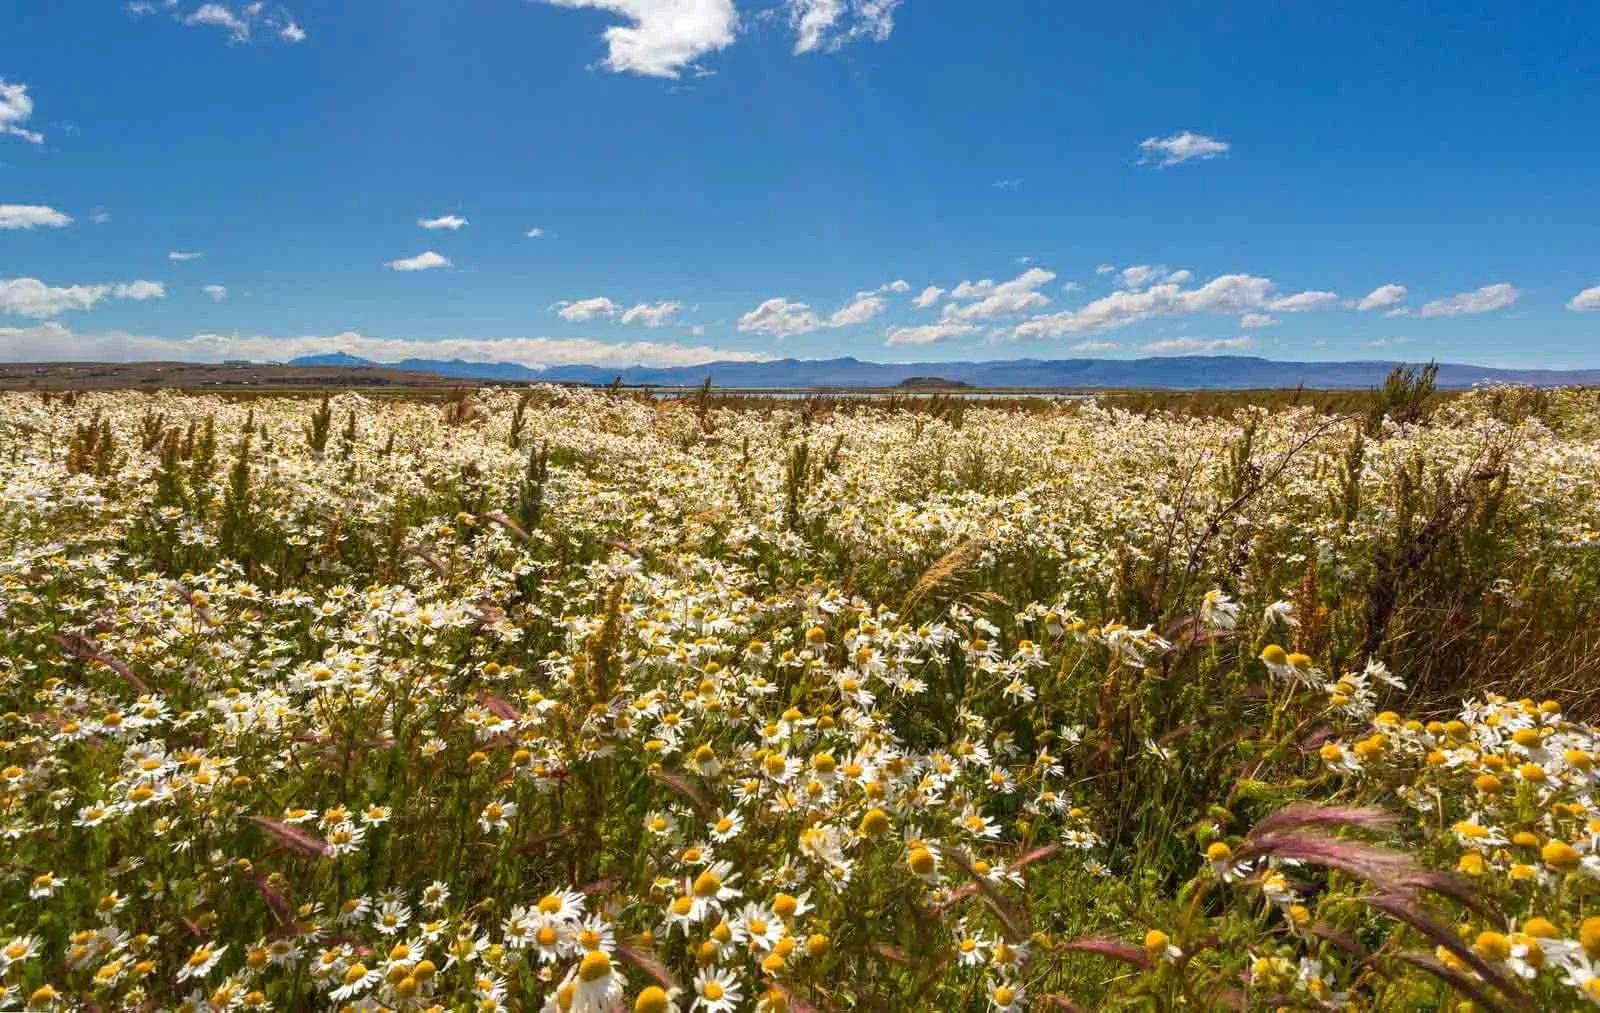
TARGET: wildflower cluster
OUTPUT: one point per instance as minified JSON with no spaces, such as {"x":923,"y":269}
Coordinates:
{"x":564,"y":700}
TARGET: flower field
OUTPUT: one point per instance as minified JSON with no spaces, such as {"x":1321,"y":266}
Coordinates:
{"x":567,"y":700}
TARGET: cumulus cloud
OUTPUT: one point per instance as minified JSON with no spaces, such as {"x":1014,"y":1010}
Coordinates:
{"x":830,"y":24}
{"x":535,"y":233}
{"x":864,"y":307}
{"x":1384,"y":297}
{"x":32,"y":216}
{"x":1002,"y":299}
{"x":51,"y":341}
{"x":1228,"y":293}
{"x":15,"y":110}
{"x":781,"y":318}
{"x":651,"y":314}
{"x":425,"y":261}
{"x":1195,"y":345}
{"x":216,"y":292}
{"x":928,"y":334}
{"x":1587,"y":301}
{"x":179,"y":256}
{"x":899,"y":286}
{"x":30,"y":297}
{"x":1140,"y":275}
{"x":1485,"y":300}
{"x":1258,"y":320}
{"x":582,"y":310}
{"x":1303,"y":302}
{"x":927,"y":297}
{"x":1181,"y":147}
{"x":663,"y":38}
{"x":451,"y":222}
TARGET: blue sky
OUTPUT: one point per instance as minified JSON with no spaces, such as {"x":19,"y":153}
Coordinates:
{"x":718,"y":178}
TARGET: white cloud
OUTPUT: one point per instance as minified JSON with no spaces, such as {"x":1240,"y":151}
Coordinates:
{"x":1196,"y":345}
{"x":1258,"y":320}
{"x":1384,"y":297}
{"x":50,"y":341}
{"x":179,"y":256}
{"x":899,"y":287}
{"x":1095,"y":346}
{"x":1587,"y":301}
{"x":217,"y":292}
{"x":831,"y":24}
{"x":664,"y":37}
{"x":651,"y":314}
{"x":928,"y":334}
{"x":1387,"y":342}
{"x":100,"y":216}
{"x":1009,"y":183}
{"x":582,"y":310}
{"x":863,"y":308}
{"x":451,"y":222}
{"x":1485,"y":300}
{"x":536,"y":233}
{"x":1006,"y":298}
{"x":240,"y":22}
{"x":219,"y":16}
{"x":1303,"y":302}
{"x":15,"y":109}
{"x":32,"y":216}
{"x":1181,"y":147}
{"x":1229,"y":293}
{"x":927,"y":297}
{"x":781,"y":318}
{"x":1141,"y":275}
{"x":30,"y":297}
{"x":139,"y":290}
{"x":424,"y":261}
{"x":1104,"y":268}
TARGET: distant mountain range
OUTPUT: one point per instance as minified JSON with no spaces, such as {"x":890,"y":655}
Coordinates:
{"x":1174,"y":372}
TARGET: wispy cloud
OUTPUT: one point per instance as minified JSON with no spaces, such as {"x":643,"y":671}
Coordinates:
{"x":217,"y":292}
{"x":16,"y":108}
{"x":1184,"y":146}
{"x":179,"y":256}
{"x":451,"y":222}
{"x":425,"y":261}
{"x":1198,"y":345}
{"x":928,"y":334}
{"x":1484,"y":300}
{"x":831,"y":24}
{"x":242,"y":22}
